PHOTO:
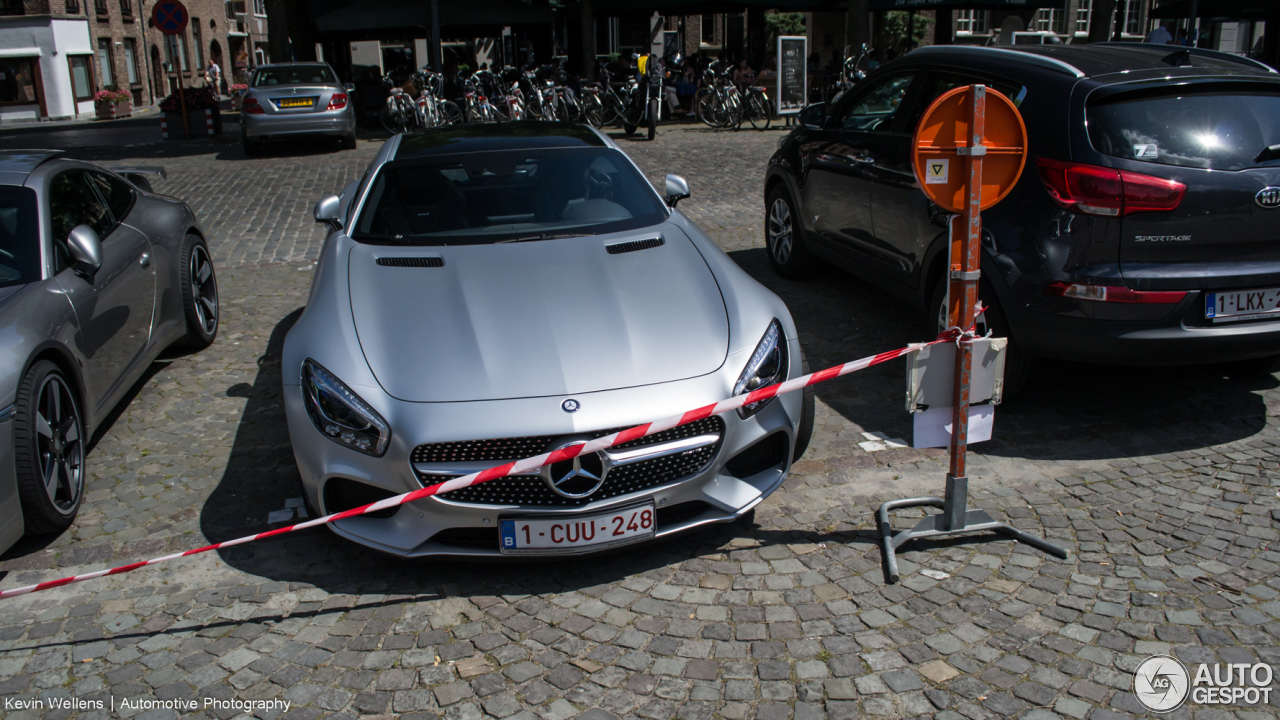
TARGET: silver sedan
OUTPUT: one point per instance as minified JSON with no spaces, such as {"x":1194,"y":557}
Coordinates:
{"x":97,"y":275}
{"x":492,"y":292}
{"x":291,"y":100}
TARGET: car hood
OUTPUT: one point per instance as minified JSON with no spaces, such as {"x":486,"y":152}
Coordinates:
{"x":533,"y":319}
{"x":8,"y":292}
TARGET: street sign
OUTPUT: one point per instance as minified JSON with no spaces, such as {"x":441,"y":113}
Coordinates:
{"x":942,"y":142}
{"x":170,"y":17}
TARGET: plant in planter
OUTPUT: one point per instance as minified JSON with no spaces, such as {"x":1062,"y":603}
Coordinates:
{"x":237,"y":93}
{"x":203,"y":117}
{"x":111,"y":103}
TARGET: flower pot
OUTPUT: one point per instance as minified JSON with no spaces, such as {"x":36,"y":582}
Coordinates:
{"x":110,"y":110}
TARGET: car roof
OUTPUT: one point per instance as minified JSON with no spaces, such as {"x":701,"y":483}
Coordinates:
{"x":16,"y":165}
{"x":292,"y":64}
{"x":490,"y":137}
{"x":1095,"y":60}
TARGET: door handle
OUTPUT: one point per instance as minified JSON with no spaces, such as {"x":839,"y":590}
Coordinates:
{"x":145,"y":260}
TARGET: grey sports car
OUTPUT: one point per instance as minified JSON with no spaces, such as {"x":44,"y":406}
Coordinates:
{"x":97,"y":275}
{"x":492,"y":292}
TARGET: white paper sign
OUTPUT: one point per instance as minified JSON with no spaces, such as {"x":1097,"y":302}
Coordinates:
{"x":933,"y":426}
{"x":935,"y":171}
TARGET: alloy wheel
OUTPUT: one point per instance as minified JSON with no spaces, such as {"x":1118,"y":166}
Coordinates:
{"x":780,"y":229}
{"x":59,"y":445}
{"x":204,"y":289}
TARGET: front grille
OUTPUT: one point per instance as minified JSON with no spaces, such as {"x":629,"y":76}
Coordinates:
{"x":527,"y":490}
{"x":763,"y":455}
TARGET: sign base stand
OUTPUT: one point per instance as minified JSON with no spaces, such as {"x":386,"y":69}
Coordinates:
{"x":954,"y":519}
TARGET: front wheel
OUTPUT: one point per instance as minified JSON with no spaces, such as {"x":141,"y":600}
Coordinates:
{"x":653,"y":119}
{"x":804,"y":430}
{"x":784,"y":237}
{"x":199,"y":293}
{"x":450,"y":113}
{"x":1017,"y":366}
{"x":758,"y":113}
{"x":48,"y":449}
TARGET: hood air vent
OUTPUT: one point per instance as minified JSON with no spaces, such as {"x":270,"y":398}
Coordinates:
{"x":411,"y":261}
{"x":633,"y":246}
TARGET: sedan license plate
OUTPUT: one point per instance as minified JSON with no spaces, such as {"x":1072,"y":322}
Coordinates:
{"x":1242,"y":305}
{"x":295,"y":102}
{"x":565,"y":535}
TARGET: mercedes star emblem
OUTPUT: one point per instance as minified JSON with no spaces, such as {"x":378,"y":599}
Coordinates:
{"x":570,"y":405}
{"x":576,"y":478}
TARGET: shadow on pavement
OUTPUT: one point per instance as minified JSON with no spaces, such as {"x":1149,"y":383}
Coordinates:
{"x":1068,"y":411}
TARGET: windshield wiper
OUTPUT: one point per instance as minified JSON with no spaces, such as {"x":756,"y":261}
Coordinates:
{"x":540,"y":236}
{"x":1269,"y":153}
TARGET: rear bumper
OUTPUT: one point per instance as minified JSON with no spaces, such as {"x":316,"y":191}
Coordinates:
{"x":265,"y":127}
{"x":1184,"y":337}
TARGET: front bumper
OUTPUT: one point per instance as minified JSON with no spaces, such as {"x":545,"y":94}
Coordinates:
{"x":438,"y":527}
{"x":335,"y":123}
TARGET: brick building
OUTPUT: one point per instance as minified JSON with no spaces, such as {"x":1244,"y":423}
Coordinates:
{"x":46,"y":60}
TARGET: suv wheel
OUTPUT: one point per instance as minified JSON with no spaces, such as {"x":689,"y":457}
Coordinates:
{"x":784,"y":237}
{"x":1017,"y":366}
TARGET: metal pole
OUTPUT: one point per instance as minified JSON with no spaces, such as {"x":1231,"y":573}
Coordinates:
{"x":437,"y":55}
{"x":182,"y":98}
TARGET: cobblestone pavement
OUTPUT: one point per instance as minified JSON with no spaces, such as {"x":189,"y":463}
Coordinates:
{"x":1165,"y":484}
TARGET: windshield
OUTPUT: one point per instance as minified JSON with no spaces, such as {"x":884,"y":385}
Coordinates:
{"x":19,"y":241}
{"x":491,"y":197}
{"x":294,"y":75}
{"x":1211,"y":130}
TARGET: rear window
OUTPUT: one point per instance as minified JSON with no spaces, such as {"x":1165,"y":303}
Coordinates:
{"x":483,"y":198}
{"x":1212,"y":130}
{"x":19,"y":241}
{"x":294,"y":75}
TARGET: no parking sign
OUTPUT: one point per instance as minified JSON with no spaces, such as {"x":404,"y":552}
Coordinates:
{"x":170,"y":17}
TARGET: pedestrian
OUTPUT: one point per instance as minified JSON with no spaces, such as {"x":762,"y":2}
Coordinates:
{"x":213,"y":76}
{"x":1160,"y":35}
{"x":743,"y":75}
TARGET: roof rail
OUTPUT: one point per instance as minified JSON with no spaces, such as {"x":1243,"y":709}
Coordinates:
{"x":1030,"y":58}
{"x":1202,"y":52}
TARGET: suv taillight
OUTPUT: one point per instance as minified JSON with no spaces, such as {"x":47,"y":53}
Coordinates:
{"x":337,"y":102}
{"x":252,"y":107}
{"x":1108,"y":192}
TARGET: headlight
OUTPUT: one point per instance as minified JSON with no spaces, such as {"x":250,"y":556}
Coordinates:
{"x":340,"y":414}
{"x":767,"y":366}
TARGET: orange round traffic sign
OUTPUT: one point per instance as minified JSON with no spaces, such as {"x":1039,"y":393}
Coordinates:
{"x":941,"y":147}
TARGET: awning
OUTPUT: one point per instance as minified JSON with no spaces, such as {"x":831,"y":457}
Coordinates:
{"x":1236,"y":9}
{"x":390,"y":14}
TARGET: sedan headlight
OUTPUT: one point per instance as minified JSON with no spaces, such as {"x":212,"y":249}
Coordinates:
{"x":767,"y":366}
{"x":340,"y":414}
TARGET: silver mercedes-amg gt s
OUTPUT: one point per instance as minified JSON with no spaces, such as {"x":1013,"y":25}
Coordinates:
{"x":489,"y":293}
{"x":97,"y":276}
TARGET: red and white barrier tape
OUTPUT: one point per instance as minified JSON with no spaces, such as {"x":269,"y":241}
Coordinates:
{"x":518,"y":466}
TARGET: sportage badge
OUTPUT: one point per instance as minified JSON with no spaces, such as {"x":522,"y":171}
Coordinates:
{"x":1268,"y":197}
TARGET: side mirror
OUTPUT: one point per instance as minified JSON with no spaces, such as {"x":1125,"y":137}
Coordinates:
{"x":677,"y":189}
{"x":351,"y":87}
{"x":85,"y":249}
{"x":813,"y":116}
{"x":327,"y":211}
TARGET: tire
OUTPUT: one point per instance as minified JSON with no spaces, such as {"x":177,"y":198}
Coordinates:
{"x":628,"y":128}
{"x":349,"y":142}
{"x":612,"y":112}
{"x":804,"y":431}
{"x":450,"y":112}
{"x":784,"y":237}
{"x":48,"y":446}
{"x":1017,"y":366}
{"x":388,"y":120}
{"x":707,"y":110}
{"x":199,"y":293}
{"x":653,"y":119}
{"x":758,"y":114}
{"x":593,"y":113}
{"x":251,"y":148}
{"x":1255,"y":366}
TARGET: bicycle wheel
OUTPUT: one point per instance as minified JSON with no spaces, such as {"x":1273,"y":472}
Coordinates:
{"x":450,"y":113}
{"x":758,"y":113}
{"x":707,"y":108}
{"x":593,"y":111}
{"x":390,"y":118}
{"x":612,"y":111}
{"x":733,"y":112}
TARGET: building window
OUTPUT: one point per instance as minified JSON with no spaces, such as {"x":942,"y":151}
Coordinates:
{"x":81,"y":78}
{"x":104,"y":62}
{"x":131,"y":61}
{"x":177,"y":45}
{"x":1049,"y":21}
{"x":126,"y":8}
{"x":708,"y":29}
{"x":260,"y":8}
{"x":12,"y":7}
{"x":259,"y":56}
{"x":17,"y":81}
{"x":195,"y":40}
{"x":100,"y":7}
{"x":1082,"y":17}
{"x":73,"y":7}
{"x":972,"y":22}
{"x":1133,"y":17}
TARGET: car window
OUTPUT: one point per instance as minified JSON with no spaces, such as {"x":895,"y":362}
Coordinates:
{"x":874,"y":109}
{"x":116,"y":192}
{"x":19,"y":240}
{"x":940,"y":81}
{"x":72,"y":202}
{"x":483,"y":198}
{"x":294,"y":75}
